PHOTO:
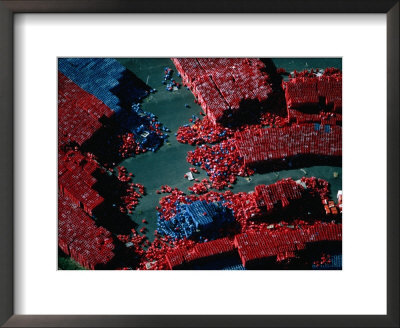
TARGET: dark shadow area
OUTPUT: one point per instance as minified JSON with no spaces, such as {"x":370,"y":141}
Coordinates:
{"x":249,"y":113}
{"x":278,"y":101}
{"x":130,"y":118}
{"x":304,"y":259}
{"x":106,"y":142}
{"x":250,"y":109}
{"x":274,"y":77}
{"x":125,"y":257}
{"x":216,"y":262}
{"x":130,"y":89}
{"x":314,"y":251}
{"x":113,"y":220}
{"x":308,"y":108}
{"x":108,"y":214}
{"x":295,"y":162}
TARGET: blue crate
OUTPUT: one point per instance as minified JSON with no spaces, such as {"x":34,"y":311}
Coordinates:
{"x":234,"y":267}
{"x":327,"y":128}
{"x":199,"y":219}
{"x":336,"y":264}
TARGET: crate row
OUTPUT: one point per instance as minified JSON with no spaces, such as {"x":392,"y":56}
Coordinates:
{"x":76,"y":122}
{"x":324,"y":118}
{"x":78,"y":170}
{"x":256,"y":245}
{"x":189,"y":69}
{"x":264,"y":244}
{"x":212,"y":102}
{"x":282,"y":191}
{"x":277,"y":241}
{"x":236,"y":88}
{"x":201,"y":251}
{"x":245,"y":206}
{"x":82,"y":99}
{"x":211,"y":248}
{"x":220,"y":85}
{"x":331,"y":88}
{"x":77,"y":127}
{"x":192,"y":68}
{"x":176,"y":258}
{"x":279,"y":143}
{"x":94,"y":106}
{"x":106,"y":79}
{"x":255,"y":155}
{"x":76,"y":174}
{"x":73,"y":185}
{"x":209,"y":65}
{"x":302,"y":92}
{"x":79,"y":237}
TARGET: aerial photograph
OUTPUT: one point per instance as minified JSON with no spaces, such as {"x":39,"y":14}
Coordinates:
{"x":199,"y":163}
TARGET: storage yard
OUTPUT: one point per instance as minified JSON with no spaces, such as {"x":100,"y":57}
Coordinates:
{"x":200,"y":163}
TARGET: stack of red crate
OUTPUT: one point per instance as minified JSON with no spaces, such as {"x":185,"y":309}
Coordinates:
{"x":282,"y":191}
{"x":211,"y":248}
{"x":79,"y":115}
{"x":277,"y":245}
{"x":301,"y":92}
{"x":189,"y":68}
{"x":200,"y":251}
{"x":79,"y":237}
{"x":330,"y":87}
{"x":227,"y":86}
{"x":76,"y":181}
{"x":306,"y":91}
{"x":221,"y":84}
{"x":176,"y":258}
{"x":280,"y":143}
{"x":78,"y":112}
{"x":209,"y":98}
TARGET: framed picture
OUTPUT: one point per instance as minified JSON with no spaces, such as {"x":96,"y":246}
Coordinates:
{"x":137,"y":101}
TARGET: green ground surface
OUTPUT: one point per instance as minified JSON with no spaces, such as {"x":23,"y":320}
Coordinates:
{"x":67,"y":263}
{"x":299,"y":64}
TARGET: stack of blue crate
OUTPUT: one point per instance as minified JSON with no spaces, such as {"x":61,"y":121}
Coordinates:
{"x":336,"y":264}
{"x":198,"y":218}
{"x":234,"y":267}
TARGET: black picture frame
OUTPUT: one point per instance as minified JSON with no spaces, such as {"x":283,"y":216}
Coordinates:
{"x":10,"y":7}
